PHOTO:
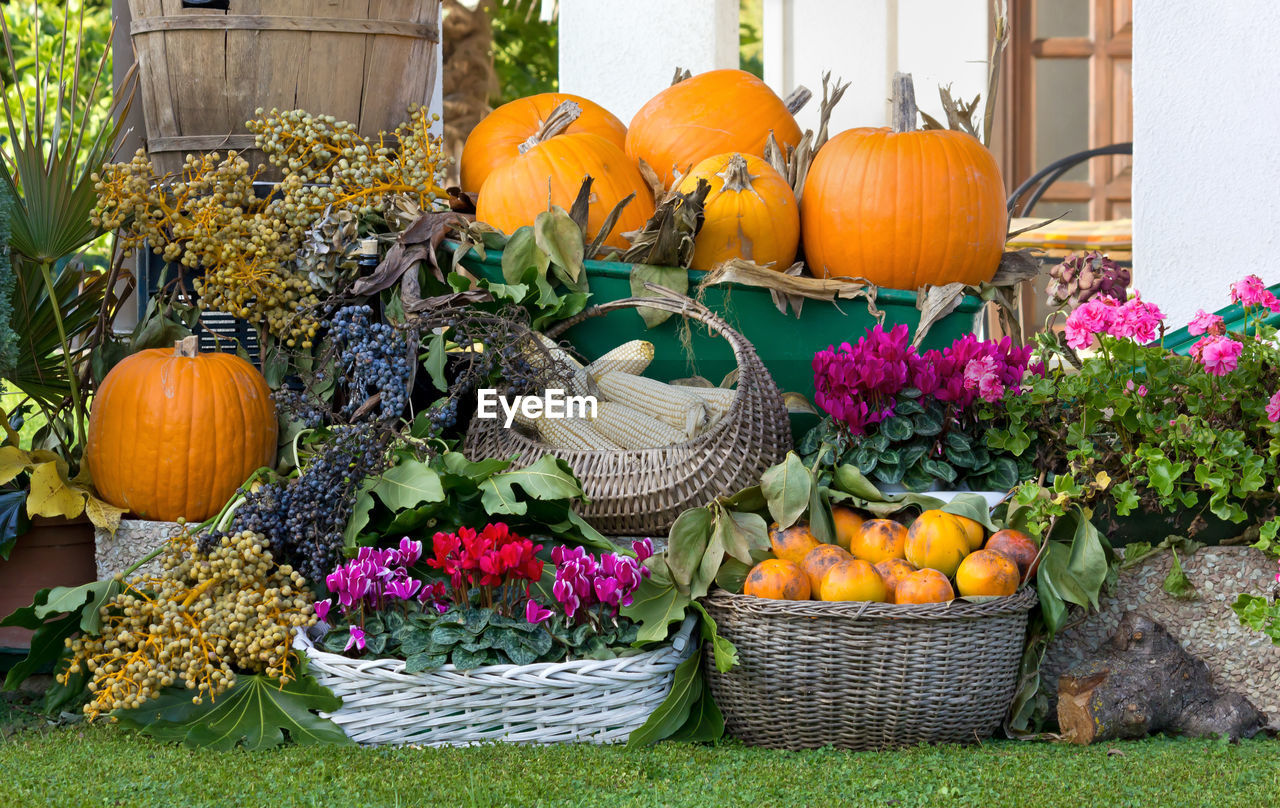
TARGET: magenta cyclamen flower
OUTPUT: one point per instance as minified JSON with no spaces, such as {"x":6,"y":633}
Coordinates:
{"x":356,"y":639}
{"x":857,"y":383}
{"x":1273,"y":408}
{"x":534,"y":613}
{"x":322,"y":609}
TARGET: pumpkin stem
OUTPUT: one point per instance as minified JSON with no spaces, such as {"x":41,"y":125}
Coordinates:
{"x":187,"y":346}
{"x":798,"y":98}
{"x":735,"y":175}
{"x":681,"y":75}
{"x":558,"y":121}
{"x":904,"y":103}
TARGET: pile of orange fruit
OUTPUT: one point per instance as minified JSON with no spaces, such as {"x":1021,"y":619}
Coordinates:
{"x":936,"y":557}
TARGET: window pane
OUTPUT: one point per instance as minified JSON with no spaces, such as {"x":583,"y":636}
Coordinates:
{"x":1062,"y":18}
{"x":1062,"y":113}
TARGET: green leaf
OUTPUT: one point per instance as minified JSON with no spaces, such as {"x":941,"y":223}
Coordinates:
{"x":726,"y":656}
{"x":926,"y":424}
{"x":434,"y":363}
{"x":465,"y":660}
{"x":1176,"y":583}
{"x":939,"y":470}
{"x":851,"y":481}
{"x":560,"y":238}
{"x":657,"y":604}
{"x":708,"y":567}
{"x":415,"y":663}
{"x":255,"y":713}
{"x":687,"y":544}
{"x":733,"y":575}
{"x":674,"y":711}
{"x":520,"y":253}
{"x":673,"y":278}
{"x":408,"y":485}
{"x":547,"y":478}
{"x":743,"y":534}
{"x":896,"y":428}
{"x":85,"y":600}
{"x":820,"y":524}
{"x":786,"y":488}
{"x":359,"y":515}
{"x":972,"y":506}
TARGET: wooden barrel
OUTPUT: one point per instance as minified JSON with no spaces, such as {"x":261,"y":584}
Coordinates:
{"x":205,"y":71}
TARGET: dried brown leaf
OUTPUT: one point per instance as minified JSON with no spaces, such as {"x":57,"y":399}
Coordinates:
{"x":934,"y":303}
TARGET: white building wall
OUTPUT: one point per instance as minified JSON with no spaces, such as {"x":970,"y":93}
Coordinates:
{"x":620,"y":53}
{"x":865,"y":42}
{"x":1206,"y":168}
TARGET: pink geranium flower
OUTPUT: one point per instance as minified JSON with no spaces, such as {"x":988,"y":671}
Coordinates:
{"x":1251,"y":291}
{"x":1094,"y":317}
{"x":1205,"y":323}
{"x":1219,"y":355}
{"x":1137,"y":320}
{"x":1273,"y":408}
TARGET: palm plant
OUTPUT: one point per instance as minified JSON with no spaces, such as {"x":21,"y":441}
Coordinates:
{"x":55,"y":144}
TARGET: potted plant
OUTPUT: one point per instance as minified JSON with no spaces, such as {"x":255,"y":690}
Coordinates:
{"x":918,"y":421}
{"x":58,"y":134}
{"x":1122,"y":426}
{"x":520,"y":645}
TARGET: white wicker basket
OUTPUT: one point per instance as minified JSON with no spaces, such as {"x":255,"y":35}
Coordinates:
{"x":587,"y":700}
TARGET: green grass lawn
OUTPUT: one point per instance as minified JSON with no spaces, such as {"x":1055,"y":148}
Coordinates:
{"x":109,"y":766}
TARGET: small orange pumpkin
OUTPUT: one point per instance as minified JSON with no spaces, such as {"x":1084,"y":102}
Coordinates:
{"x":497,"y":138}
{"x":174,"y":433}
{"x":904,"y":208}
{"x":712,"y":113}
{"x":751,"y":213}
{"x":550,"y":170}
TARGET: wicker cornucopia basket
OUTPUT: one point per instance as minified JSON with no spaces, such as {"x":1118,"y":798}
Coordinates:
{"x":640,"y":492}
{"x":866,"y":675}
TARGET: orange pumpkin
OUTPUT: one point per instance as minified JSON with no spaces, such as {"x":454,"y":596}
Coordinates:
{"x":904,"y":208}
{"x":712,"y":113}
{"x":750,"y":213}
{"x":497,"y":138}
{"x":550,"y":170}
{"x":173,"y":433}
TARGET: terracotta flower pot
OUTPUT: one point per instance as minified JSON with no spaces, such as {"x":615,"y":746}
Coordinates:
{"x":54,"y":552}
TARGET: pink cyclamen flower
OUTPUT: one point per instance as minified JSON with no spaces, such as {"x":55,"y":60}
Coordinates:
{"x":323,"y":606}
{"x":535,"y":613}
{"x":1142,"y":391}
{"x":356,"y":639}
{"x":1251,"y":291}
{"x":1273,"y":408}
{"x":1219,"y":355}
{"x":1205,"y":323}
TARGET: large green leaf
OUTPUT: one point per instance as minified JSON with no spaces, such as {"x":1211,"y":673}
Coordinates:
{"x":972,"y":506}
{"x":726,"y":656}
{"x":657,"y":603}
{"x":255,"y":713}
{"x":673,"y":713}
{"x":687,"y":544}
{"x":85,"y":600}
{"x":786,"y":488}
{"x":546,"y":478}
{"x":559,"y":236}
{"x":408,"y":485}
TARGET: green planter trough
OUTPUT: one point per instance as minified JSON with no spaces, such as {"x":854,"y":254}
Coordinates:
{"x":786,"y":343}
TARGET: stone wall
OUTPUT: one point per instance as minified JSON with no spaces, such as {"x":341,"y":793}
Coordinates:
{"x":1240,"y":658}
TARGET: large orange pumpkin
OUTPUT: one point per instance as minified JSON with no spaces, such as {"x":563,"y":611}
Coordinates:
{"x":904,"y":208}
{"x":712,"y":113}
{"x":550,"y":170}
{"x":750,"y":213}
{"x":497,"y":138}
{"x":173,"y":433}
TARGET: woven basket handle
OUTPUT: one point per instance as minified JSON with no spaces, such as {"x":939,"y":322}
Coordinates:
{"x":676,"y":303}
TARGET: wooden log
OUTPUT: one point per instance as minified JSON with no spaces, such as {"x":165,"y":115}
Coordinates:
{"x":1145,"y":682}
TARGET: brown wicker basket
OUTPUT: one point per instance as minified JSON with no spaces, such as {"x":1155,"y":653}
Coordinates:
{"x":640,"y":492}
{"x":866,"y":675}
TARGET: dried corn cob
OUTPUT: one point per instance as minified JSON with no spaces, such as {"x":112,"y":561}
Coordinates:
{"x":632,"y":429}
{"x":676,"y":406}
{"x":573,"y":433}
{"x":580,"y":383}
{"x":718,"y":399}
{"x":629,"y":357}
